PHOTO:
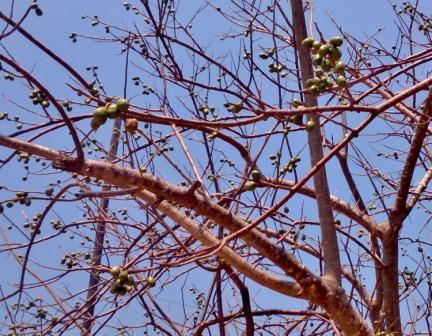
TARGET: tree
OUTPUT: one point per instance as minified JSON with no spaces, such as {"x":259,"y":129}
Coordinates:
{"x":273,"y":180}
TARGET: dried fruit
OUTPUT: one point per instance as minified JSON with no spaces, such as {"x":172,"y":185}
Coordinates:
{"x":131,"y":125}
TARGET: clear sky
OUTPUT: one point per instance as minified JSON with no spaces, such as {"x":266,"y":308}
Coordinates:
{"x":361,"y":18}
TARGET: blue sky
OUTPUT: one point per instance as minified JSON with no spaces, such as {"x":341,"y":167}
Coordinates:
{"x":362,"y":18}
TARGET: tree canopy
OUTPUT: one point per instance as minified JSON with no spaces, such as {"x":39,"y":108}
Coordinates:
{"x":215,"y":167}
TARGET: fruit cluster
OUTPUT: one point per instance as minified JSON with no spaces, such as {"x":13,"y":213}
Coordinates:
{"x":123,"y":281}
{"x":38,"y":97}
{"x":111,"y":111}
{"x":326,"y":59}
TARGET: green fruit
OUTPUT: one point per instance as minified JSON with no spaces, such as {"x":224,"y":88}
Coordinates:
{"x":112,"y":111}
{"x":151,"y":281}
{"x":308,"y":42}
{"x":250,"y":185}
{"x":316,"y":59}
{"x":337,"y":41}
{"x":115,"y":271}
{"x":316,"y":45}
{"x":235,"y":108}
{"x":319,"y":72}
{"x":339,"y":67}
{"x":297,"y":119}
{"x":335,"y":54}
{"x":314,"y":89}
{"x":323,"y":50}
{"x":341,"y":81}
{"x":100,"y":115}
{"x":130,"y":280}
{"x":326,"y":65}
{"x":256,"y":174}
{"x":122,"y":104}
{"x":113,"y":289}
{"x":296,"y":102}
{"x":310,"y":125}
{"x":123,"y":276}
{"x":309,"y":82}
{"x":49,"y":192}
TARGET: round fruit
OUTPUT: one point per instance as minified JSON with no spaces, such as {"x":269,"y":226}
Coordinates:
{"x":235,"y":108}
{"x":307,"y":42}
{"x":256,"y":174}
{"x":341,"y":81}
{"x":326,"y":65}
{"x":131,"y":125}
{"x":115,"y":271}
{"x":337,"y":41}
{"x":296,"y":102}
{"x":113,"y":289}
{"x":309,"y":82}
{"x":323,"y":50}
{"x":297,"y":119}
{"x":122,"y":104}
{"x":112,"y":111}
{"x":314,"y":89}
{"x":123,"y":276}
{"x":310,"y":125}
{"x":121,"y":290}
{"x":49,"y":191}
{"x":130,"y":280}
{"x":100,"y":115}
{"x":316,"y":45}
{"x":335,"y":53}
{"x":316,"y":59}
{"x":339,"y":67}
{"x":151,"y":281}
{"x":250,"y":185}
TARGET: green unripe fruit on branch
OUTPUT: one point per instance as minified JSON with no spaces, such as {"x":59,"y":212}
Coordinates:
{"x":307,"y":42}
{"x":151,"y":281}
{"x":112,"y":111}
{"x":115,"y":271}
{"x":250,"y":185}
{"x":297,"y":119}
{"x":310,"y":125}
{"x":122,"y":104}
{"x":255,"y":174}
{"x":341,"y":81}
{"x":337,"y":41}
{"x":100,"y":115}
{"x":339,"y":67}
{"x":123,"y":276}
{"x":316,"y":59}
{"x":316,"y":45}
